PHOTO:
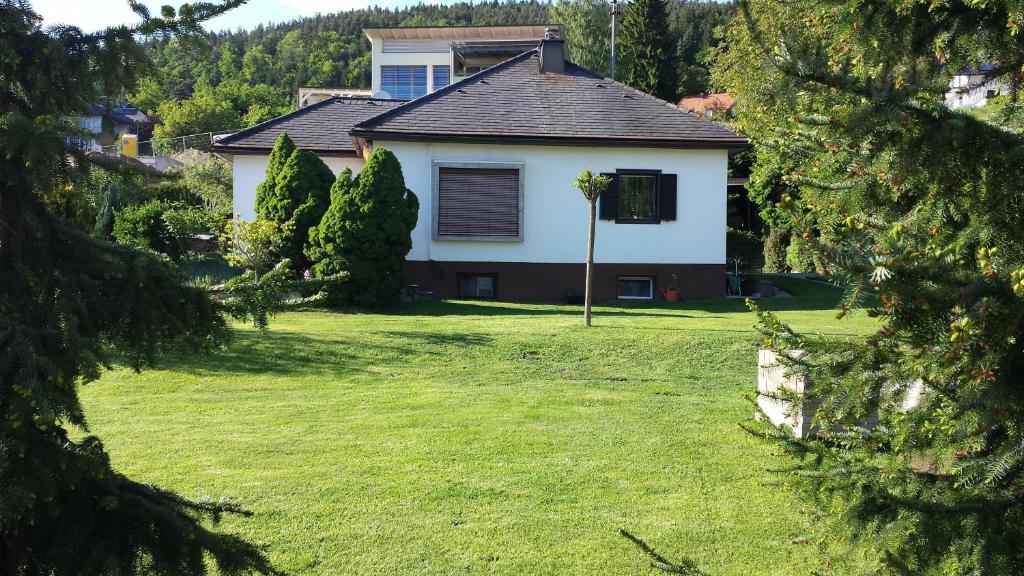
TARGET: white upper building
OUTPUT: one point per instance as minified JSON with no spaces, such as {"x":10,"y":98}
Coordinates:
{"x":411,"y":62}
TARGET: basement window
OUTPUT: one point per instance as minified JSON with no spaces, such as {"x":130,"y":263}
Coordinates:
{"x":484,"y":286}
{"x":635,"y":288}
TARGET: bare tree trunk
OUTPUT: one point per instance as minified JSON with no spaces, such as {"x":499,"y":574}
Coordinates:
{"x":590,"y":262}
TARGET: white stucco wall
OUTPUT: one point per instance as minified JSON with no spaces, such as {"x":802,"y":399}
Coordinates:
{"x":248,"y":170}
{"x":555,"y":213}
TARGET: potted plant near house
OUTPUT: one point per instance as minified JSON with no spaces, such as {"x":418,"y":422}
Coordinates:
{"x":672,"y":292}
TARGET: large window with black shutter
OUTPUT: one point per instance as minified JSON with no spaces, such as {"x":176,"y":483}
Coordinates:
{"x":639,"y":197}
{"x":478,"y":201}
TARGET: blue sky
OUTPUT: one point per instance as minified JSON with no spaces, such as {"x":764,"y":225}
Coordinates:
{"x":92,"y":15}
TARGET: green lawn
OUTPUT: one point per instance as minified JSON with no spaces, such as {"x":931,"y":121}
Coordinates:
{"x":478,"y":438}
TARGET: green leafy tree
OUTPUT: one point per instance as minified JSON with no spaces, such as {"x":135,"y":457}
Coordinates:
{"x":205,"y":111}
{"x":366,"y":233}
{"x":647,"y":53}
{"x":258,"y":66}
{"x":922,"y":208}
{"x":143,"y":227}
{"x":360,"y":71}
{"x":592,"y":186}
{"x":149,"y":95}
{"x":209,"y":178}
{"x":252,"y":245}
{"x":587,"y":25}
{"x":266,"y":191}
{"x":68,"y":304}
{"x":302,"y":196}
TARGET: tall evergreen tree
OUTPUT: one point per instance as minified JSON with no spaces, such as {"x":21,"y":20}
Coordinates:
{"x":587,"y":25}
{"x":68,"y":304}
{"x":266,"y":191}
{"x":646,"y":49}
{"x":302,"y":195}
{"x":366,"y":232}
{"x":922,"y":208}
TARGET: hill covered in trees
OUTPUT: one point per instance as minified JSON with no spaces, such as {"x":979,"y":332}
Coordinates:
{"x":234,"y":79}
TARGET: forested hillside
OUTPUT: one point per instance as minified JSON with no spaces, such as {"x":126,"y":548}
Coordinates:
{"x":236,"y":79}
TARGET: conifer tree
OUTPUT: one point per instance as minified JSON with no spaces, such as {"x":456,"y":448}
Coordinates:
{"x":918,"y":211}
{"x":367,"y":233}
{"x":68,"y":303}
{"x":301,"y":197}
{"x":266,"y":191}
{"x":646,"y":49}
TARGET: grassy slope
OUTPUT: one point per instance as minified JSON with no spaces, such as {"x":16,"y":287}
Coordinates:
{"x":477,"y":438}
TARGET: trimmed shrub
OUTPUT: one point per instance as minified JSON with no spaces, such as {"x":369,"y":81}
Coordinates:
{"x":174,"y":192}
{"x":798,"y":257}
{"x":266,"y":194}
{"x":366,"y":232}
{"x":302,"y":197}
{"x":775,"y":244}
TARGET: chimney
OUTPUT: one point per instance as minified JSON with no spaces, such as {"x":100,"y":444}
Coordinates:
{"x":552,"y":52}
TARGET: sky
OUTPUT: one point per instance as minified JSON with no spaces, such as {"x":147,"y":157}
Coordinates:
{"x":91,"y":15}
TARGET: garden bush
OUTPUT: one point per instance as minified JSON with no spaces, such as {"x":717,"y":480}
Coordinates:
{"x":799,"y":257}
{"x":366,"y":233}
{"x":144,"y":227}
{"x":775,"y":244}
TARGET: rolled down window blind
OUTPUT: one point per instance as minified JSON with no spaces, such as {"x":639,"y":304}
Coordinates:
{"x":478,"y":202}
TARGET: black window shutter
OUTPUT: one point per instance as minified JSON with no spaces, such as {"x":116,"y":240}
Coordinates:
{"x":667,"y":197}
{"x":609,"y":199}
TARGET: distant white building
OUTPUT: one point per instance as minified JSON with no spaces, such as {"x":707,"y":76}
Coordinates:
{"x":970,"y":89}
{"x":411,"y":62}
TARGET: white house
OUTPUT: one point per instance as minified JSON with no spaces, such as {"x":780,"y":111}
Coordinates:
{"x":972,"y":87}
{"x":493,"y":158}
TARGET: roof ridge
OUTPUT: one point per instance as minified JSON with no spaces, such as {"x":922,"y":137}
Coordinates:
{"x":412,"y":104}
{"x":275,"y":120}
{"x":297,"y":112}
{"x":668,"y":104}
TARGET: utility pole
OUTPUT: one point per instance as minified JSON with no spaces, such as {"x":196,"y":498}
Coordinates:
{"x":615,"y":13}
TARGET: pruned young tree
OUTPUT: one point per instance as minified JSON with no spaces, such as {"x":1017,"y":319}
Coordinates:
{"x":68,"y":304}
{"x":919,"y":211}
{"x":592,"y":186}
{"x":366,"y":233}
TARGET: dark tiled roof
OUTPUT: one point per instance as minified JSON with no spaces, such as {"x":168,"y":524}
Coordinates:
{"x":322,"y":127}
{"x":515,"y":102}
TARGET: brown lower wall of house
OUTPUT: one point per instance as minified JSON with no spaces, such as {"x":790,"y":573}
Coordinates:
{"x":527,"y":281}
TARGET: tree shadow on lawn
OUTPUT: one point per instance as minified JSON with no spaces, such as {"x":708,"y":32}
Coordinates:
{"x":282,"y":352}
{"x":709,"y":309}
{"x":509,"y":308}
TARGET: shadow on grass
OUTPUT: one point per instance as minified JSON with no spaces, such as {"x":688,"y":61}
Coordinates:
{"x":282,"y":352}
{"x":816,"y":300}
{"x":504,"y":308}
